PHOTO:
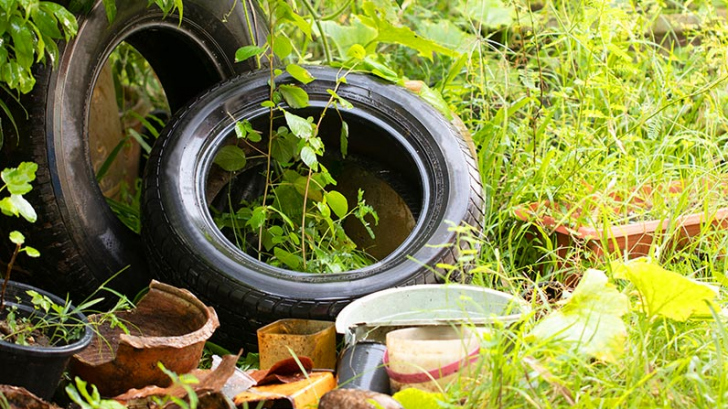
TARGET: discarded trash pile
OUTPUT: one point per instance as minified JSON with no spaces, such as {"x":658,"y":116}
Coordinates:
{"x":421,"y":337}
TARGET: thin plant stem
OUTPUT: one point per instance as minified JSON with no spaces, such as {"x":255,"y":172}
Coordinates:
{"x":317,"y":21}
{"x":270,"y":123}
{"x":7,"y":276}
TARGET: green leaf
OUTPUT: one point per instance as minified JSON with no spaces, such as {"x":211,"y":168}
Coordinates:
{"x":447,"y":34}
{"x":67,"y":20}
{"x":308,"y":156}
{"x":389,"y":33}
{"x":434,"y":98}
{"x":23,"y":41}
{"x":7,"y":208}
{"x":299,"y":126}
{"x":295,"y":96}
{"x":32,"y":252}
{"x":339,"y":100}
{"x":24,"y":208}
{"x":337,"y":202}
{"x":379,"y":69}
{"x":284,"y":148}
{"x":412,"y":398}
{"x":46,"y":22}
{"x":17,"y":238}
{"x":240,"y":131}
{"x":489,"y":13}
{"x":299,"y":73}
{"x":590,"y":321}
{"x":231,"y":158}
{"x":284,"y":13}
{"x":344,"y":37}
{"x":110,"y":7}
{"x":291,"y":260}
{"x":18,"y":179}
{"x":243,"y":53}
{"x":282,"y":46}
{"x":357,"y":52}
{"x":314,"y":191}
{"x":258,"y":218}
{"x":667,"y":293}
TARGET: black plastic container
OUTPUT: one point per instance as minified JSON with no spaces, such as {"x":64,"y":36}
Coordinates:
{"x":38,"y":369}
{"x":360,"y":367}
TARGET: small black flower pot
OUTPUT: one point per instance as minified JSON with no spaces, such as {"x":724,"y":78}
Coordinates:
{"x":36,"y":368}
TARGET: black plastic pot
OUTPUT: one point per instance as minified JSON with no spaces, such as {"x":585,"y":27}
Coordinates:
{"x":36,"y":368}
{"x":361,"y":367}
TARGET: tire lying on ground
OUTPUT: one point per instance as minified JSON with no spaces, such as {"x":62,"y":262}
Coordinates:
{"x":394,"y":135}
{"x":82,"y":242}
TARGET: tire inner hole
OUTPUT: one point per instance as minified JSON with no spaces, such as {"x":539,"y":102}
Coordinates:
{"x":375,"y":162}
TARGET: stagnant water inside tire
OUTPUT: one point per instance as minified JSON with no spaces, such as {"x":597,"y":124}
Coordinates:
{"x":128,"y":109}
{"x":374,"y":162}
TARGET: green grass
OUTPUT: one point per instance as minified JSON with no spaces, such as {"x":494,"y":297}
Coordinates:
{"x":572,"y":101}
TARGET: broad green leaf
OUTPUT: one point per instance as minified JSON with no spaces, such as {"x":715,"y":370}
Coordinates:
{"x":283,"y":148}
{"x":46,"y":23}
{"x":308,"y":156}
{"x":17,"y":238}
{"x":325,"y":211}
{"x":356,"y":52}
{"x":591,"y":320}
{"x":299,"y":73}
{"x":284,"y":13}
{"x":244,"y":130}
{"x":389,"y":33}
{"x":412,"y":398}
{"x":666,"y":293}
{"x":489,"y":13}
{"x":67,"y":20}
{"x":379,"y":69}
{"x":32,"y":252}
{"x":231,"y":158}
{"x":110,"y":7}
{"x":291,"y":260}
{"x":24,"y":208}
{"x":337,"y":202}
{"x":243,"y":53}
{"x":344,"y":37}
{"x":240,"y":131}
{"x":314,"y":191}
{"x":447,"y":34}
{"x":434,"y":98}
{"x":18,"y":179}
{"x":282,"y":46}
{"x":257,"y":219}
{"x":299,"y":126}
{"x":267,"y":104}
{"x":23,"y":40}
{"x":7,"y":4}
{"x":7,"y":208}
{"x":294,"y":95}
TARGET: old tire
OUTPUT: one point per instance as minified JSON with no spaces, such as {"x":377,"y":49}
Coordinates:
{"x":82,"y":242}
{"x":392,"y":127}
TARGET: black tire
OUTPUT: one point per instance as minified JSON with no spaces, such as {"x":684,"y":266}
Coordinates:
{"x":388,"y":124}
{"x":82,"y":242}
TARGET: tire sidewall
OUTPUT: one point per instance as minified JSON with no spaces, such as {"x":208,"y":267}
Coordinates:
{"x":186,"y":155}
{"x":101,"y":244}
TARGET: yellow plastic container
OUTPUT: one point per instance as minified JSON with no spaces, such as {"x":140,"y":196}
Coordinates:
{"x":314,"y":339}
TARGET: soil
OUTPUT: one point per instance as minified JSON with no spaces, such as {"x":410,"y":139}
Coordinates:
{"x":36,"y":337}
